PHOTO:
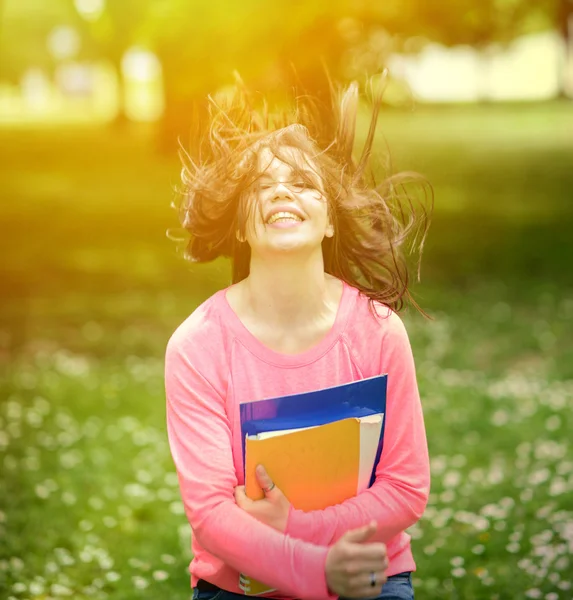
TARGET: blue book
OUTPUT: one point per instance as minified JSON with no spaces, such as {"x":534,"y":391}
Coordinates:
{"x":309,"y":409}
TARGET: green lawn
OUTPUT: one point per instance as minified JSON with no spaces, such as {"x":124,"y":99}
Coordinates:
{"x":89,"y":503}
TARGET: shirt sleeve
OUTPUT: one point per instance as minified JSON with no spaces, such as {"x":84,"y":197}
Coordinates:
{"x":200,"y":440}
{"x":399,"y":495}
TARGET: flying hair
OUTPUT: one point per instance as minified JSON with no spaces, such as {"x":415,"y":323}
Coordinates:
{"x":377,"y":224}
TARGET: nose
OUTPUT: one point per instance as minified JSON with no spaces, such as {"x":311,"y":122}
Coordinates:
{"x":281,"y":192}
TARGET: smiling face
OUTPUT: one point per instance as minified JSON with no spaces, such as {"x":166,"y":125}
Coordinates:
{"x":289,"y":210}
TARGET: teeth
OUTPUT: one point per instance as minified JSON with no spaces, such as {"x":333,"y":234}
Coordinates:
{"x":283,"y":216}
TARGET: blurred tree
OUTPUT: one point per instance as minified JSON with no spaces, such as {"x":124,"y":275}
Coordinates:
{"x":272,"y":45}
{"x":466,"y":22}
{"x":112,"y":33}
{"x":25,"y":26}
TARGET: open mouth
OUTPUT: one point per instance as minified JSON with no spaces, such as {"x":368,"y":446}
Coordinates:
{"x":284,"y":217}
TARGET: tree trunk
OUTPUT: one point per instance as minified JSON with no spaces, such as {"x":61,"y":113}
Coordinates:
{"x":565,"y":65}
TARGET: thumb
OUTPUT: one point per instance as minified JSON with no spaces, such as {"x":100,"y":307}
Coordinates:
{"x":361,"y":534}
{"x":264,"y":479}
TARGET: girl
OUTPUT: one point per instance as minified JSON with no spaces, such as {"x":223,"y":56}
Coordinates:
{"x":317,"y":278}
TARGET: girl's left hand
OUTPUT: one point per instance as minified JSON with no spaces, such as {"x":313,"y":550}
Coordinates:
{"x":273,"y":509}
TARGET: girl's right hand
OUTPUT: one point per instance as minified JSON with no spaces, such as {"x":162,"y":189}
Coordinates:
{"x":352,"y":563}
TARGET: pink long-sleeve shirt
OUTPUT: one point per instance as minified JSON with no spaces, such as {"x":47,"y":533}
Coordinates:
{"x":213,"y":363}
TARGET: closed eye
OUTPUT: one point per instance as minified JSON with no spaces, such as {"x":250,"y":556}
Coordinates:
{"x":303,"y":185}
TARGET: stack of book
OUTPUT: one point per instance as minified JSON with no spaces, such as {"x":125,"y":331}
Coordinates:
{"x":320,"y":448}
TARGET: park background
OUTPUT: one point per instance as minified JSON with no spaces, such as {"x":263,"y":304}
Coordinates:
{"x":94,"y":95}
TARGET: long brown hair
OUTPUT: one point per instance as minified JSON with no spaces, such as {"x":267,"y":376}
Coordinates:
{"x":374,"y":223}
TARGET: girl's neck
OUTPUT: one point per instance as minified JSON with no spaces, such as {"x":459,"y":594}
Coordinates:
{"x":289,"y":295}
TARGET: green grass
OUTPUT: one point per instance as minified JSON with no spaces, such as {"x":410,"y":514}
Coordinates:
{"x":89,"y":503}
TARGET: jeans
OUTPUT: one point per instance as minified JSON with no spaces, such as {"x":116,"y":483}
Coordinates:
{"x":397,"y":587}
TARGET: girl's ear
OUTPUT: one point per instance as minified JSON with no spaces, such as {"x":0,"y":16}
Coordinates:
{"x":329,"y":231}
{"x":239,"y":237}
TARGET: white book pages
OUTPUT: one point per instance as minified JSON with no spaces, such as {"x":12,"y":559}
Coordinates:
{"x":370,"y":428}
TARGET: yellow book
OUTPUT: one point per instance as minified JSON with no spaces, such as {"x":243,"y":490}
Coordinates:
{"x":315,"y":467}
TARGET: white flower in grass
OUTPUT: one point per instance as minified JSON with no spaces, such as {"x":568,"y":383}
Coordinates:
{"x":553,"y":578}
{"x":451,"y":479}
{"x":69,"y":499}
{"x":438,"y":464}
{"x":558,"y":486}
{"x":533,"y":593}
{"x":164,"y":494}
{"x":168,"y":559}
{"x":507,"y":502}
{"x":564,"y":467}
{"x":564,"y":585}
{"x":106,"y":562}
{"x":86,"y":556}
{"x":177,"y":508}
{"x":13,"y":409}
{"x":19,"y":588}
{"x":36,"y":588}
{"x":135,"y":563}
{"x":16,"y":564}
{"x":515,"y":536}
{"x":71,"y":458}
{"x":458,"y":572}
{"x":57,"y":589}
{"x":136,"y":490}
{"x":553,"y":423}
{"x":542,"y":537}
{"x":109,"y":521}
{"x":479,"y":549}
{"x":140,"y":583}
{"x":90,"y":590}
{"x":51,"y":567}
{"x":552,"y":596}
{"x":526,"y":495}
{"x":41,"y":405}
{"x":160,"y":575}
{"x":86,"y":525}
{"x":112,"y":576}
{"x":34,"y":419}
{"x":500,"y":418}
{"x":96,"y":503}
{"x":144,"y":477}
{"x":513,"y":548}
{"x":447,"y":496}
{"x":42,"y":491}
{"x":457,"y":561}
{"x":171,"y":479}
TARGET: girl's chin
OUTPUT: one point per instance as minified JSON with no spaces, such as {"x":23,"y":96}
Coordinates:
{"x":293,"y":246}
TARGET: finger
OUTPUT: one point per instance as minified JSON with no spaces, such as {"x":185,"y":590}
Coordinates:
{"x":240,"y":496}
{"x":362,"y":534}
{"x":369,"y":583}
{"x":368,"y":551}
{"x":265,"y":481}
